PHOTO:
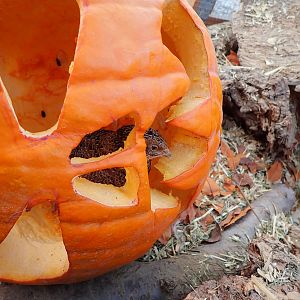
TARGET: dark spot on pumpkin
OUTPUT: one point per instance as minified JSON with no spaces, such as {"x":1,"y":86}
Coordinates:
{"x":58,"y":62}
{"x":43,"y":114}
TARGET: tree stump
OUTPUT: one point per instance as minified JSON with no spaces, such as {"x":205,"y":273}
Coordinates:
{"x":263,"y":104}
{"x":263,"y":94}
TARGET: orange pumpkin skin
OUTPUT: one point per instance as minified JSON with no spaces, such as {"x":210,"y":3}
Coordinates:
{"x":131,"y":59}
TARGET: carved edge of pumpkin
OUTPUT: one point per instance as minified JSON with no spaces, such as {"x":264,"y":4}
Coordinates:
{"x":73,"y":236}
{"x":82,"y":268}
{"x":8,"y":119}
{"x":162,"y":65}
{"x":134,"y":158}
{"x":215,"y":99}
{"x":191,"y":177}
{"x":34,"y":247}
{"x":208,"y":109}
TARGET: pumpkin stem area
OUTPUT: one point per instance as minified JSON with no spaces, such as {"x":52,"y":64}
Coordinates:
{"x":37,"y":46}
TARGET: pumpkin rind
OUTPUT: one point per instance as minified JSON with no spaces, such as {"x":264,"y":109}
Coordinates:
{"x":119,"y":70}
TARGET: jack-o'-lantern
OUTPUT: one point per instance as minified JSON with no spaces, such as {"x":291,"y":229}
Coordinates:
{"x":73,"y":76}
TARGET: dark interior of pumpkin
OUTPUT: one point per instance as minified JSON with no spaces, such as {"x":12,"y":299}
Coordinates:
{"x":37,"y":46}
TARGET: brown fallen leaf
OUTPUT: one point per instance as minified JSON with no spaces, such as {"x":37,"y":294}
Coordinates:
{"x":226,"y":220}
{"x":228,"y":185}
{"x":225,"y":149}
{"x":239,"y":216}
{"x":295,"y":171}
{"x":211,"y":188}
{"x":166,"y":235}
{"x":218,"y":207}
{"x":198,"y":200}
{"x":289,"y":179}
{"x":225,"y":193}
{"x":251,"y":165}
{"x":243,"y":179}
{"x":262,"y":289}
{"x":260,"y":165}
{"x":245,"y":161}
{"x":232,"y":159}
{"x":233,"y":58}
{"x":189,"y":214}
{"x":274,"y":173}
{"x":215,"y":235}
{"x":207,"y":220}
{"x":192,"y":212}
{"x":241,"y":149}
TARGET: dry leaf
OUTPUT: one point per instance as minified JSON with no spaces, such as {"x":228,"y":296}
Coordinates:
{"x":237,"y":159}
{"x":192,"y":212}
{"x":211,"y":188}
{"x":241,"y":149}
{"x":228,"y":185}
{"x":245,"y":161}
{"x":198,"y":200}
{"x":274,"y":173}
{"x":251,"y":165}
{"x":225,"y":193}
{"x":290,"y":179}
{"x":260,"y":165}
{"x":233,"y":160}
{"x":218,"y":207}
{"x":227,"y":220}
{"x":262,"y":289}
{"x":189,"y":213}
{"x":208,"y":220}
{"x":226,"y":151}
{"x":233,"y":58}
{"x":215,"y":235}
{"x":295,"y":171}
{"x":237,"y":217}
{"x":243,"y":179}
{"x":166,"y":235}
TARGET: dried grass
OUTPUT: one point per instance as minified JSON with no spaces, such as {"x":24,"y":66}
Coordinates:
{"x":187,"y":237}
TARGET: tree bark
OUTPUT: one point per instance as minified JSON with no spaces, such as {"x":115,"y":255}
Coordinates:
{"x":263,"y":94}
{"x":263,"y":104}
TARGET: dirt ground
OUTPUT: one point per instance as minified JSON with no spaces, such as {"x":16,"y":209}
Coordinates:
{"x":273,"y":271}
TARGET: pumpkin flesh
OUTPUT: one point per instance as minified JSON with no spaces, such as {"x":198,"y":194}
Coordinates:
{"x":117,"y":71}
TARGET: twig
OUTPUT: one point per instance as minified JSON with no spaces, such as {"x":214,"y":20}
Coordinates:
{"x":248,"y":202}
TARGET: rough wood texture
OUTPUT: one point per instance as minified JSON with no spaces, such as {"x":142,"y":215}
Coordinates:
{"x":262,"y":104}
{"x":269,"y":37}
{"x":264,"y":93}
{"x":224,"y":40}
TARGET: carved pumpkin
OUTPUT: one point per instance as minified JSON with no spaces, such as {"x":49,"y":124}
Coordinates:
{"x":69,"y":69}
